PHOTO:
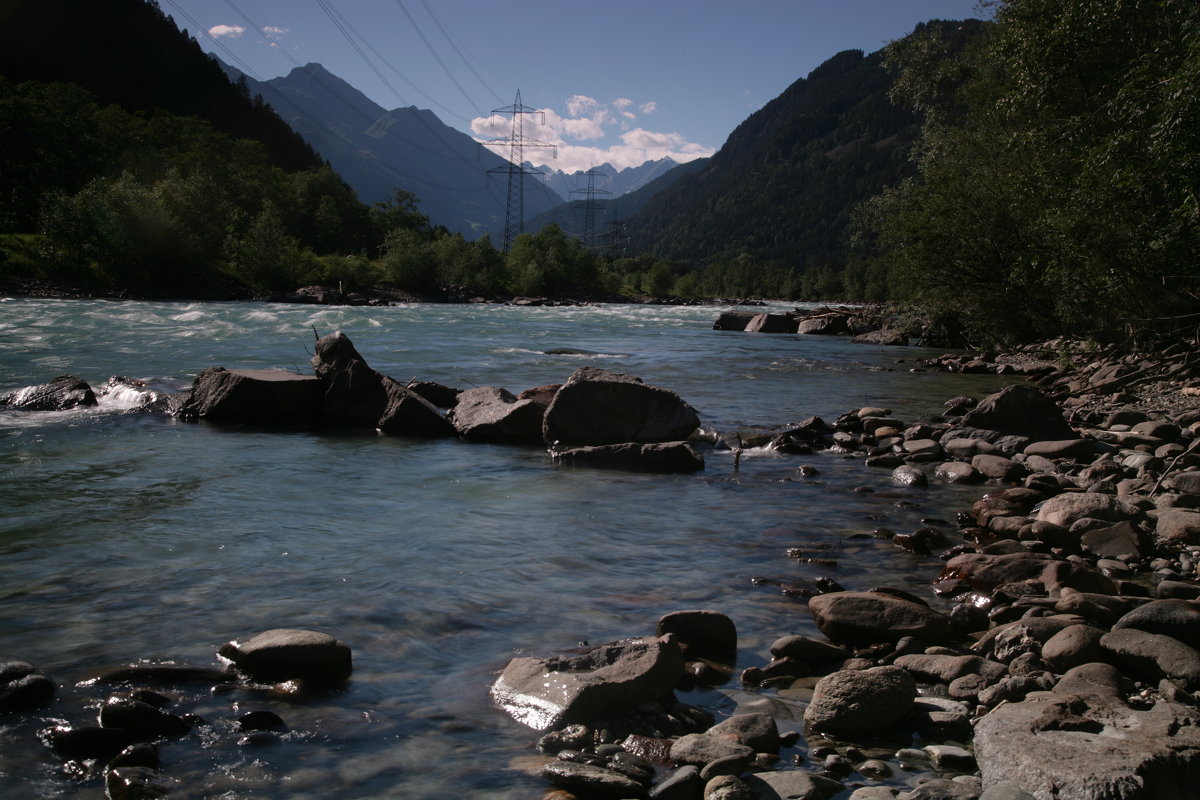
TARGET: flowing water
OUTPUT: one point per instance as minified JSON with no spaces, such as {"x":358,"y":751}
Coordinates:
{"x":127,"y":536}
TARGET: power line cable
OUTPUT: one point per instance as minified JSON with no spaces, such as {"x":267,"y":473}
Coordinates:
{"x":435,"y":55}
{"x":437,"y":21}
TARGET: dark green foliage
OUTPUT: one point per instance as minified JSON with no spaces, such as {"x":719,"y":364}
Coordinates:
{"x":129,"y":53}
{"x":1059,"y":167}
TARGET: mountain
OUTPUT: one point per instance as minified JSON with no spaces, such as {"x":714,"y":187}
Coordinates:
{"x":130,"y":53}
{"x":613,"y":181}
{"x":376,"y":150}
{"x":783,"y":187}
{"x":613,"y":211}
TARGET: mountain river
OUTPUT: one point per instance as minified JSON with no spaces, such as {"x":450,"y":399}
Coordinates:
{"x":129,"y":536}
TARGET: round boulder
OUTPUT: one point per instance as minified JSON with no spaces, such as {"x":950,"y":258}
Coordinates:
{"x":284,"y":654}
{"x":853,"y":701}
{"x":869,"y":617}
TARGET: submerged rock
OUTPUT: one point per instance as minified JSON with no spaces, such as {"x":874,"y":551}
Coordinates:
{"x":672,"y":457}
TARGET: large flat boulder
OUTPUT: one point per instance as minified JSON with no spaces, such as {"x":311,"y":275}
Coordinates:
{"x":1090,"y":747}
{"x":607,"y":681}
{"x":253,"y":396}
{"x":599,"y":407}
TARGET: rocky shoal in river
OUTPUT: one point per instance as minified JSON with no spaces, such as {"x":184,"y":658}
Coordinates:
{"x":1064,"y":660}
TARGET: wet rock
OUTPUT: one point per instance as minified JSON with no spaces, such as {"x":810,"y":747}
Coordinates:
{"x":701,"y":634}
{"x":88,"y":741}
{"x":136,"y":783}
{"x":869,"y":617}
{"x":1089,"y":748}
{"x":142,"y":719}
{"x":588,"y":778}
{"x":808,"y":649}
{"x":572,"y":737}
{"x":909,"y":476}
{"x":172,"y":674}
{"x":611,"y":679}
{"x":60,"y":394}
{"x":143,"y":754}
{"x":284,"y":654}
{"x":957,"y":472}
{"x":950,"y":757}
{"x":665,"y":457}
{"x":1026,"y":635}
{"x":599,"y":407}
{"x":759,"y":732}
{"x":253,"y":396}
{"x":493,"y":414}
{"x":261,"y":720}
{"x":22,"y":688}
{"x":856,"y":701}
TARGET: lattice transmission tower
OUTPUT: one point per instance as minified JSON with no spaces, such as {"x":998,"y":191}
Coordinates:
{"x":589,"y":207}
{"x":515,"y":169}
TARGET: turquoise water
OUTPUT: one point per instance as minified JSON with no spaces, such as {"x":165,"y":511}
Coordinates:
{"x":127,"y":536}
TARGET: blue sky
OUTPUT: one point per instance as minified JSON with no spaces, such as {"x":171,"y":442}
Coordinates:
{"x":622,"y":81}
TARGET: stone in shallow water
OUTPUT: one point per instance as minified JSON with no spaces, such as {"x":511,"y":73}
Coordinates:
{"x":600,"y":781}
{"x":855,"y":701}
{"x":285,"y":654}
{"x":608,"y":680}
{"x":868,"y":617}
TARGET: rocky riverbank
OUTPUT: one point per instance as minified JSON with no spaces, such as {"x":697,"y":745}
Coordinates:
{"x":1055,"y":656}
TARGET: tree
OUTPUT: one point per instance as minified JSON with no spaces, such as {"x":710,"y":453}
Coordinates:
{"x":1059,"y":168}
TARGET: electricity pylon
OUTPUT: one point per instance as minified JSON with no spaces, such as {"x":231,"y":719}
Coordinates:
{"x":589,"y":207}
{"x":515,"y":169}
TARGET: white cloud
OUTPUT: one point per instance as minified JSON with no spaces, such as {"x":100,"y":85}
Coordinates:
{"x":590,"y":121}
{"x":580,"y":104}
{"x":232,"y":31}
{"x":272,"y":32}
